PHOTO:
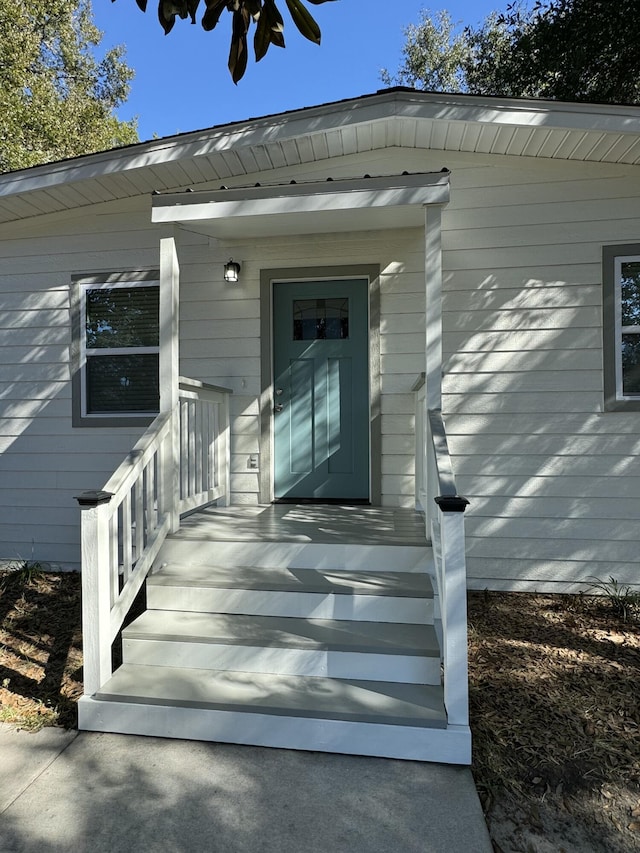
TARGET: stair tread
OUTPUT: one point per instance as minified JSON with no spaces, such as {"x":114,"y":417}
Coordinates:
{"x":285,"y":632}
{"x":299,"y":696}
{"x":396,"y":584}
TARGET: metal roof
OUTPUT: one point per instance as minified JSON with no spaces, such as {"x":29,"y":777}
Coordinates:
{"x":306,"y":207}
{"x":397,"y":117}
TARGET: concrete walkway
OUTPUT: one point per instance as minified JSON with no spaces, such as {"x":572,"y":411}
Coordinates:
{"x":64,"y":792}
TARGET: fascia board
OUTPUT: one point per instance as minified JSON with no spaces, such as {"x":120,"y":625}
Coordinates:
{"x":253,"y":132}
{"x":556,"y":118}
{"x":382,"y":106}
{"x":398,"y":191}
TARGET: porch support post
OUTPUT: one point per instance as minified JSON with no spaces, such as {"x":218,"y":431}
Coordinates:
{"x":433,"y":292}
{"x":169,"y":335}
{"x":170,"y":369}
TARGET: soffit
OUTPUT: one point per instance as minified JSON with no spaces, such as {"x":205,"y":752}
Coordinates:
{"x":393,"y":118}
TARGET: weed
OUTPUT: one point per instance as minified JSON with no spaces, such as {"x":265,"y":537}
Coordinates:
{"x":624,"y":600}
{"x":26,"y":572}
{"x":33,"y":719}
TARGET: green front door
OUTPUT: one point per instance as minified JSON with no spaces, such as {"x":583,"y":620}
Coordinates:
{"x":321,"y":390}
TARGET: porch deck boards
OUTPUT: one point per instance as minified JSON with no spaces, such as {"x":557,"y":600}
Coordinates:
{"x":308,"y":523}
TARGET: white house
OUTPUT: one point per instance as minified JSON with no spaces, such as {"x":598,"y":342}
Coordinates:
{"x":436,"y":295}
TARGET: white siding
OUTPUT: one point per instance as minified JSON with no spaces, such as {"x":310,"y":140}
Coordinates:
{"x":553,"y":480}
{"x":44,"y":462}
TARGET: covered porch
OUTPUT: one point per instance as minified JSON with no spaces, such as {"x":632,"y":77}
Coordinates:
{"x":316,"y":387}
{"x":329,"y":624}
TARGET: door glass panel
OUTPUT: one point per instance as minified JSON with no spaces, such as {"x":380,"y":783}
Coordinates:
{"x":320,"y":319}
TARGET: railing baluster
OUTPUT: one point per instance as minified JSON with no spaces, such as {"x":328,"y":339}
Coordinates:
{"x":207,"y":482}
{"x":149,"y":500}
{"x":138,"y":503}
{"x":204,"y":442}
{"x":167,"y":473}
{"x":198,"y":484}
{"x":127,"y":540}
{"x":162,"y":478}
{"x":184,"y":448}
{"x":114,"y":563}
{"x":223,"y":452}
{"x":214,"y":430}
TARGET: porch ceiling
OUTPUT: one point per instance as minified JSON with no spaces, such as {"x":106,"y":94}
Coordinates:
{"x":368,"y":203}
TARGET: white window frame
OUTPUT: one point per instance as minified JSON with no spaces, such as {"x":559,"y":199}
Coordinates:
{"x":80,"y":352}
{"x":613,"y":258}
{"x":620,"y":329}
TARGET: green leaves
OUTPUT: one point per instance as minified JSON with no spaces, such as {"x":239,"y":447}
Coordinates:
{"x":269,"y":25}
{"x":303,"y":21}
{"x":238,"y":51}
{"x":212,"y":13}
{"x":58,"y":92}
{"x":269,"y":29}
{"x":168,"y":9}
{"x":570,"y":50}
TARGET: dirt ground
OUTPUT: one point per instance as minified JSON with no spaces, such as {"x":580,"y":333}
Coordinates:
{"x":555,"y":716}
{"x":554,"y":700}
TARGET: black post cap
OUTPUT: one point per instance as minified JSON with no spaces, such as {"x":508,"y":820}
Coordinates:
{"x":93,"y":498}
{"x":452,"y":503}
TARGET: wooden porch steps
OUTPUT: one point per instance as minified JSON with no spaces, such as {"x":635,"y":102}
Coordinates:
{"x":355,"y":700}
{"x":275,"y":591}
{"x":313,"y":658}
{"x":285,"y":645}
{"x":356,"y":717}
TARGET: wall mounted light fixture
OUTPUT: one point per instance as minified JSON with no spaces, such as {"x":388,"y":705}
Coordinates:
{"x":232,"y":271}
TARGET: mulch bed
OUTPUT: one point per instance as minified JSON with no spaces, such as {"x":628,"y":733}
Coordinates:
{"x":555,"y":715}
{"x":40,"y":648}
{"x":554,"y":702}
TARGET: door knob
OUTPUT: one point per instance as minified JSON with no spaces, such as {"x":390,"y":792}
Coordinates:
{"x":278,"y":407}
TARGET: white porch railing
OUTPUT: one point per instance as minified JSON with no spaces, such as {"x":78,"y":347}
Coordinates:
{"x":180,"y":463}
{"x":437,"y":495}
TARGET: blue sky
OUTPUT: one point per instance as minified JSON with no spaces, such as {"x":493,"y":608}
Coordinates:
{"x":182,"y":82}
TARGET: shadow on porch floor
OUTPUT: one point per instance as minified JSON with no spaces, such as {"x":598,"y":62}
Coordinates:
{"x":358,"y":525}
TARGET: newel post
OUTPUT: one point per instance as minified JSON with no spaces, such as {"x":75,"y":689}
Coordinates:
{"x":454,"y":573}
{"x":96,"y":589}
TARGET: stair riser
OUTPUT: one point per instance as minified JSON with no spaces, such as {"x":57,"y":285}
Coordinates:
{"x":406,"y":669}
{"x":385,"y":558}
{"x":449,"y":745}
{"x":367,"y":608}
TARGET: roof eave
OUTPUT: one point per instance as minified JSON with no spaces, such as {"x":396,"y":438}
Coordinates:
{"x":369,"y":108}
